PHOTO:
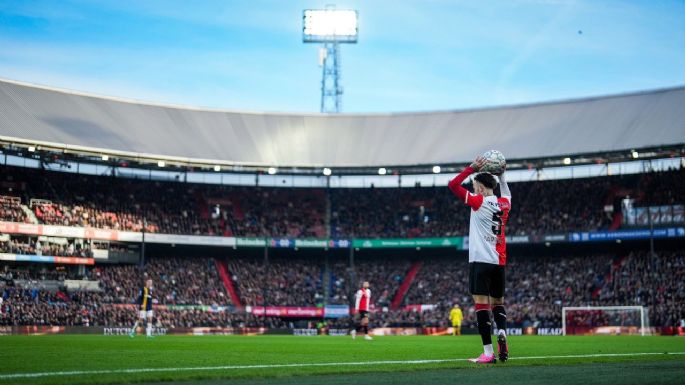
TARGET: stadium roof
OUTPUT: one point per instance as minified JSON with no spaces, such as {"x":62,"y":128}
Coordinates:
{"x":77,"y":121}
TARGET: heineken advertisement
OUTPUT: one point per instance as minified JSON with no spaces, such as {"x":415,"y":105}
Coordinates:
{"x":293,"y":243}
{"x":325,"y":243}
{"x":412,"y":242}
{"x":456,"y":242}
{"x":250,"y":242}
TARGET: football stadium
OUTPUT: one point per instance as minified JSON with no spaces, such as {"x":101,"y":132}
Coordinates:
{"x":148,"y":242}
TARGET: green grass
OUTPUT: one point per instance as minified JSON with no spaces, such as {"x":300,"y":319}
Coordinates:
{"x":48,"y":354}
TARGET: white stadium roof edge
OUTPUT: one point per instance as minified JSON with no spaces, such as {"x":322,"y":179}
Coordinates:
{"x":82,"y":122}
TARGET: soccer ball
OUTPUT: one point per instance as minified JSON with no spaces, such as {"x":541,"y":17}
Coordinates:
{"x":495,"y":162}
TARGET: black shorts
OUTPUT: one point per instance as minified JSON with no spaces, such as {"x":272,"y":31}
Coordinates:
{"x":486,"y":279}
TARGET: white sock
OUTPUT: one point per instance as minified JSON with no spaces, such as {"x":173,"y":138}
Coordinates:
{"x":488,"y":350}
{"x":502,"y":332}
{"x":149,"y":331}
{"x":135,"y":326}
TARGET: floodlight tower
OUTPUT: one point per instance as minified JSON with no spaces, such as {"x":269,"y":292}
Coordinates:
{"x":330,"y":27}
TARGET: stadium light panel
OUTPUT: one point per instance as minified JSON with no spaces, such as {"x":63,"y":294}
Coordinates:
{"x":271,"y":170}
{"x":217,"y":168}
{"x":32,"y":149}
{"x":161,"y":163}
{"x":436,"y":169}
{"x":327,"y":171}
{"x":329,"y":25}
{"x":382,"y":171}
{"x":105,"y":158}
{"x":567,"y":161}
{"x":635,"y":154}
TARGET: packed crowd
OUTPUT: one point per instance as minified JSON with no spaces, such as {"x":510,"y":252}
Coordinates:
{"x":108,"y":202}
{"x":39,"y":307}
{"x":40,"y":272}
{"x":559,"y":206}
{"x":386,"y":273}
{"x":36,"y":247}
{"x":78,"y":215}
{"x":537,"y":288}
{"x":661,"y":188}
{"x":274,"y":212}
{"x":281,"y":282}
{"x":10,"y":209}
{"x":34,"y":307}
{"x":397,"y":213}
{"x":183,"y":208}
{"x":177,"y":281}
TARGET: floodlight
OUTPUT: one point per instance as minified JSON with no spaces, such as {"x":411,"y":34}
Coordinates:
{"x":436,"y":169}
{"x":217,"y":168}
{"x":105,"y":158}
{"x":329,"y":25}
{"x":635,"y":154}
{"x":382,"y":171}
{"x":567,"y":161}
{"x":327,"y":171}
{"x":271,"y":170}
{"x":161,"y":163}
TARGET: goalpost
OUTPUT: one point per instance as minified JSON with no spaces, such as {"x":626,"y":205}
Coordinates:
{"x":613,"y":320}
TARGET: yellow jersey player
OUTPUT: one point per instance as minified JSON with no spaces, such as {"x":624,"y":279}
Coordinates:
{"x":456,"y":316}
{"x":144,"y":309}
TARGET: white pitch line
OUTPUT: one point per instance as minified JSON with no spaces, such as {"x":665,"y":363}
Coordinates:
{"x":599,"y":355}
{"x":273,"y":366}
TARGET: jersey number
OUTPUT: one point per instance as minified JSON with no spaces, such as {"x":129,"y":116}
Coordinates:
{"x":497,"y":218}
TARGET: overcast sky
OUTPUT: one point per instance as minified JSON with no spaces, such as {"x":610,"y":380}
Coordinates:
{"x":411,"y":55}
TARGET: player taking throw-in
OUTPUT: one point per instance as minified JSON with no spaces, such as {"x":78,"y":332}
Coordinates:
{"x":487,"y":253}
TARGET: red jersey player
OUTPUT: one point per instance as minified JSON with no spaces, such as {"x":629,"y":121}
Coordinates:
{"x":487,"y":253}
{"x":362,"y":301}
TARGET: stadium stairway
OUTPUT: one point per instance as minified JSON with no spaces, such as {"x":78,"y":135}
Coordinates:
{"x":327,"y":219}
{"x":617,"y":217}
{"x":326,"y":281}
{"x":406,"y":284}
{"x":29,"y":214}
{"x":222,"y":268}
{"x":616,"y":222}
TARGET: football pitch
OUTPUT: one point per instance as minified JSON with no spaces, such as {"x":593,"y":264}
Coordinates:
{"x":395,"y":360}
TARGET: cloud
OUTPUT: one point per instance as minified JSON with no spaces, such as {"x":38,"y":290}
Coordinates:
{"x":533,"y":45}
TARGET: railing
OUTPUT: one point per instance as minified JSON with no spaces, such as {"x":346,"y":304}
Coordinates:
{"x":35,"y":201}
{"x":10,"y":199}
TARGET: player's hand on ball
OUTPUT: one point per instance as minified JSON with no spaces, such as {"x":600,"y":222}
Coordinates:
{"x":478,"y":164}
{"x":504,"y":168}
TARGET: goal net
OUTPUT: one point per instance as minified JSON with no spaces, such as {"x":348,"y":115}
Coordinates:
{"x":611,"y":320}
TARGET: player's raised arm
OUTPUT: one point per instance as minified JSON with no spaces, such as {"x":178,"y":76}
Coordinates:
{"x":504,"y":187}
{"x":455,"y":184}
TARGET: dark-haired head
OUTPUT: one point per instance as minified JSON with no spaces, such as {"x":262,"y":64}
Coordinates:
{"x":487,"y":180}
